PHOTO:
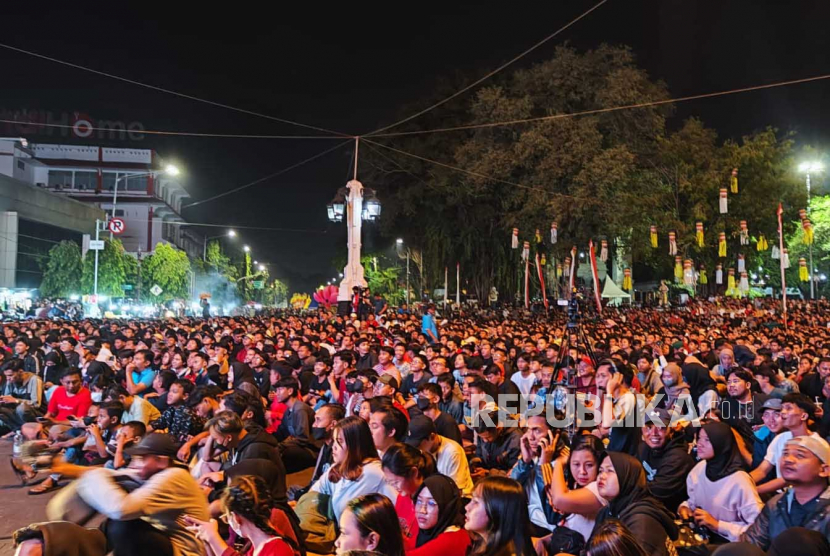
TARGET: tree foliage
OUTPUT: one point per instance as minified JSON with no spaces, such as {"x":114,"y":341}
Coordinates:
{"x":601,"y":175}
{"x":169,"y":268}
{"x":114,"y":266}
{"x":63,"y":267}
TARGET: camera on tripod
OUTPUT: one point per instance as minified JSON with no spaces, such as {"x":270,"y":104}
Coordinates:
{"x":574,"y":316}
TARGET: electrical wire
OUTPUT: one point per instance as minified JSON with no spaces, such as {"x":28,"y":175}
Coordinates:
{"x":168,"y":91}
{"x":268,"y":177}
{"x":613,"y":108}
{"x":492,"y":73}
{"x":177,"y":133}
{"x":462,"y":170}
{"x":234,"y":226}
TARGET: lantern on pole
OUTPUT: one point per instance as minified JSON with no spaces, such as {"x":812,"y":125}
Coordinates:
{"x":722,"y":244}
{"x":741,"y":264}
{"x":627,"y":286}
{"x":730,"y":283}
{"x":733,"y":182}
{"x":704,"y":279}
{"x":785,"y":259}
{"x":743,"y":285}
{"x":672,"y":244}
{"x":808,"y":231}
{"x":514,"y":240}
{"x":688,"y":273}
{"x":722,"y":201}
{"x":744,"y":233}
{"x":553,"y":233}
{"x":525,"y":250}
{"x":678,"y":268}
{"x":699,"y":234}
{"x":652,"y":232}
{"x":719,"y":274}
{"x":803,"y":271}
{"x":603,"y":251}
{"x":762,"y":244}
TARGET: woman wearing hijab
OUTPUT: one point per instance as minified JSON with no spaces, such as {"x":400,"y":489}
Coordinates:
{"x":622,"y":481}
{"x":675,"y":391}
{"x":722,"y":496}
{"x":438,"y":511}
{"x":702,"y":387}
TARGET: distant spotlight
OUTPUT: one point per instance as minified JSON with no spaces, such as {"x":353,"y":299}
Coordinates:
{"x":399,"y":241}
{"x":262,"y":268}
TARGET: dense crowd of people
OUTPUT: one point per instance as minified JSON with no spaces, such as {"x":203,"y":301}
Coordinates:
{"x":688,"y":430}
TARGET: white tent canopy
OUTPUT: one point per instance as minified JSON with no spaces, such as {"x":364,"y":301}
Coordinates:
{"x":613,"y":291}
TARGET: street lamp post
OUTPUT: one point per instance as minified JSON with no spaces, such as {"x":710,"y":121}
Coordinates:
{"x":356,"y":203}
{"x":170,"y":170}
{"x":807,"y":168}
{"x":231,"y":233}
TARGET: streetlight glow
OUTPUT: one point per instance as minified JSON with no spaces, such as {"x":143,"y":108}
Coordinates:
{"x":399,"y":241}
{"x":262,"y":268}
{"x":246,"y":249}
{"x":231,"y":233}
{"x":171,"y":170}
{"x":810,"y":167}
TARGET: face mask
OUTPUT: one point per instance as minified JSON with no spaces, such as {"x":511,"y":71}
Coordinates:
{"x":355,"y":386}
{"x":669,"y":382}
{"x":423,"y":404}
{"x":97,"y":397}
{"x":319,"y":433}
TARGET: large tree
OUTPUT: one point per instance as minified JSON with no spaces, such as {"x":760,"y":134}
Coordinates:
{"x":60,"y":277}
{"x":169,"y":269}
{"x":114,"y":267}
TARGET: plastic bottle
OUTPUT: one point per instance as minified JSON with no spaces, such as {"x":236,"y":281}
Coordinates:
{"x":17,"y":449}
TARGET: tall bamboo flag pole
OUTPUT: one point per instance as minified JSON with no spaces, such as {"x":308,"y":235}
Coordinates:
{"x":781,"y":262}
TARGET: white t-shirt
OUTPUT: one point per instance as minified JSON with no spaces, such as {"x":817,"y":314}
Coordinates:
{"x":524,"y":384}
{"x":450,"y":460}
{"x":584,"y":524}
{"x":776,"y":449}
{"x":371,"y":481}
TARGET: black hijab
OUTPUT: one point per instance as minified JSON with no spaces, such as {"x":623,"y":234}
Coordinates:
{"x":634,"y":497}
{"x":698,"y":378}
{"x":448,"y":497}
{"x":727,"y":458}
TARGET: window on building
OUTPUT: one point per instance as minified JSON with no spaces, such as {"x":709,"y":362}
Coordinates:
{"x":21,"y":165}
{"x":86,"y":180}
{"x":136,"y":183}
{"x":109,"y":181}
{"x":60,"y":178}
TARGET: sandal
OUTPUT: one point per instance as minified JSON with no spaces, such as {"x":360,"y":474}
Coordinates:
{"x":24,"y":475}
{"x":43,"y":489}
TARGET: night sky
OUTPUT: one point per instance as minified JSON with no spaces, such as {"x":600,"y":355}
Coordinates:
{"x":352,"y":68}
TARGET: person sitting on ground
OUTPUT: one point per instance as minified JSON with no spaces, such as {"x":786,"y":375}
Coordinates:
{"x":438,"y":510}
{"x":369,"y":525}
{"x":355,"y":468}
{"x":805,"y":465}
{"x":246,"y":507}
{"x":135,"y":408}
{"x":299,"y":450}
{"x":497,"y":519}
{"x":450,"y":459}
{"x":764,"y":435}
{"x":405,"y":469}
{"x":387,"y":424}
{"x":798,"y":419}
{"x":428,"y":401}
{"x":179,"y":420}
{"x":166,"y":494}
{"x":722,"y":497}
{"x":20,"y":399}
{"x":622,"y":481}
{"x":498,"y":448}
{"x":161,"y":385}
{"x":665,"y":455}
{"x":612,"y":538}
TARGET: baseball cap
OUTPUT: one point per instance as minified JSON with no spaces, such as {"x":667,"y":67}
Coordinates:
{"x":155,"y":444}
{"x":389,"y":380}
{"x":420,"y":428}
{"x":658,"y":416}
{"x":772,"y":403}
{"x":818,"y":446}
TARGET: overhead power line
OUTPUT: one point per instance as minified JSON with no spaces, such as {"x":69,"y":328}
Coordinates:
{"x":177,"y":133}
{"x":491,"y":74}
{"x":610,"y":109}
{"x":469,"y":172}
{"x":268,"y":177}
{"x":168,"y":91}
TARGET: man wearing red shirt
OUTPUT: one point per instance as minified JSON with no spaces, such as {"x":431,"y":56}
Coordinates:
{"x":70,"y":398}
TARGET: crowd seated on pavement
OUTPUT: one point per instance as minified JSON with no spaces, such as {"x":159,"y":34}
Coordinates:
{"x":694,"y":429}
